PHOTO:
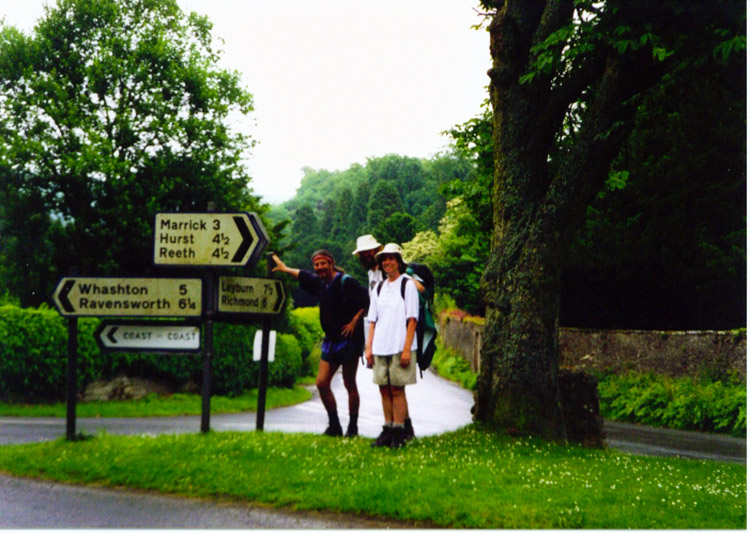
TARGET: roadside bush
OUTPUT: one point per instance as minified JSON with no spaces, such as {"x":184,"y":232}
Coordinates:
{"x":33,"y":353}
{"x":33,"y":358}
{"x":450,"y":365}
{"x":233,"y":370}
{"x":681,"y":403}
{"x":286,"y":367}
{"x":306,"y":323}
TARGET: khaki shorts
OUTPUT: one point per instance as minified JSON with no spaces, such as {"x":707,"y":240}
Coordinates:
{"x":387,"y":370}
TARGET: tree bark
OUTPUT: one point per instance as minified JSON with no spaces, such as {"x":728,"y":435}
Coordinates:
{"x":538,"y":209}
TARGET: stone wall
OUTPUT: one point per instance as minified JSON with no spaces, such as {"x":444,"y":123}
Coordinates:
{"x":674,"y":353}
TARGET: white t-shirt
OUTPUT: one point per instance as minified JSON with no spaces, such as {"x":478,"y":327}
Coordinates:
{"x":389,"y":312}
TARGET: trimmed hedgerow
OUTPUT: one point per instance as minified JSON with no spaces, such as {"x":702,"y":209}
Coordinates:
{"x":33,"y":358}
{"x":33,"y":353}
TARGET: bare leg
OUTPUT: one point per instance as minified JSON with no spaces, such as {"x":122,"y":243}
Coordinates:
{"x":326,"y":371}
{"x":385,"y":398}
{"x":349,"y":371}
{"x":399,"y":405}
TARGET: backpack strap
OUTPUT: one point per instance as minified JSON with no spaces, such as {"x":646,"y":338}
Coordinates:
{"x":404,"y":281}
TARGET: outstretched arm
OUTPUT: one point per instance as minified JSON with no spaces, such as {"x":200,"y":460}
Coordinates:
{"x":281,"y":267}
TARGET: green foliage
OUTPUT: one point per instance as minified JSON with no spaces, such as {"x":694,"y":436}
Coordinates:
{"x":392,"y":197}
{"x":669,"y":226}
{"x":456,"y":257}
{"x":306,"y":323}
{"x":33,"y":357}
{"x":33,"y":353}
{"x":287,"y":366}
{"x":682,"y":403}
{"x":454,"y":367}
{"x":177,"y":404}
{"x":468,"y":479}
{"x":110,"y":111}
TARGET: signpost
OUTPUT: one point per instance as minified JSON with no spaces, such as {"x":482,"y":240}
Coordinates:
{"x":153,"y":336}
{"x":180,"y":297}
{"x":257,"y":296}
{"x":180,"y":239}
{"x":212,"y":239}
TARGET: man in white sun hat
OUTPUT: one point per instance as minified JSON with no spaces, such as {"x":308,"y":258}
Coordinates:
{"x":367,"y":247}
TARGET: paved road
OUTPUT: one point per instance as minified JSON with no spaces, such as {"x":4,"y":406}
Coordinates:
{"x":436,"y":406}
{"x":34,"y":504}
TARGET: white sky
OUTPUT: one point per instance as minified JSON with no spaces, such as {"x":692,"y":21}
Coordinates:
{"x":338,"y":81}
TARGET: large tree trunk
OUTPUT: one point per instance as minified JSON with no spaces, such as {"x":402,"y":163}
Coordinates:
{"x":538,"y":209}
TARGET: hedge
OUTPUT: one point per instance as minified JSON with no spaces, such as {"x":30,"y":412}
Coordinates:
{"x":33,"y":358}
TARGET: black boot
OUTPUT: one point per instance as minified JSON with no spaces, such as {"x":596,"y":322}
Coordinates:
{"x":398,"y":437}
{"x":352,"y":430}
{"x":384,"y":439}
{"x":333,"y":430}
{"x":408,"y":430}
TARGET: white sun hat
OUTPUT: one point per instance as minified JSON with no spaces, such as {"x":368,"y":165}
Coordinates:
{"x":391,"y":248}
{"x":366,"y":242}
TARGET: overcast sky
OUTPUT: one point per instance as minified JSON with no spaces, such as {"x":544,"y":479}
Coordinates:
{"x":338,"y":81}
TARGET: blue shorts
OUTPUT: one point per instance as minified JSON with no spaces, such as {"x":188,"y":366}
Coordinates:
{"x":340,"y":352}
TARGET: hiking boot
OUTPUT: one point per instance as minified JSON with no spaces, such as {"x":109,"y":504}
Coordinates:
{"x":333,"y":430}
{"x":384,"y":439}
{"x":352,"y":430}
{"x":398,"y":437}
{"x":408,"y":430}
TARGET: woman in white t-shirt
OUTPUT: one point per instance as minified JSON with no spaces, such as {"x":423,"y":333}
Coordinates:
{"x":391,"y":342}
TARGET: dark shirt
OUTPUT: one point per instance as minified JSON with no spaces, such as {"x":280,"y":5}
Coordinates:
{"x":338,"y":302}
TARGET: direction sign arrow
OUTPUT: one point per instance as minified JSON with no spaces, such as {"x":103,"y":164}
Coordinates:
{"x":148,"y":336}
{"x":260,"y":296}
{"x":215,"y":239}
{"x":129,"y":297}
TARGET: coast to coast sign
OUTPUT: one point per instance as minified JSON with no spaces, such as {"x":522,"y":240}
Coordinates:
{"x":212,"y":239}
{"x":145,"y":336}
{"x":146,"y":297}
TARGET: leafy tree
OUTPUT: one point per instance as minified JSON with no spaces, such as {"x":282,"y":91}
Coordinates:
{"x":385,"y":201}
{"x":669,"y":227}
{"x":110,"y":111}
{"x":359,"y":208}
{"x":397,"y":227}
{"x":405,"y":173}
{"x":566,"y":82}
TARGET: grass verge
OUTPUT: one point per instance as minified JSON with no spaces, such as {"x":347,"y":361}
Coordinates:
{"x":466,"y":479}
{"x":154,"y":405}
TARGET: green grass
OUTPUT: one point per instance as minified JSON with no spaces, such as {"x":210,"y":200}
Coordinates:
{"x":153,"y":405}
{"x":467,"y":479}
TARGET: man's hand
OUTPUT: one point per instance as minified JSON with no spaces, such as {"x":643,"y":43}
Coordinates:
{"x":405,"y":358}
{"x":281,"y":267}
{"x":348,"y":330}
